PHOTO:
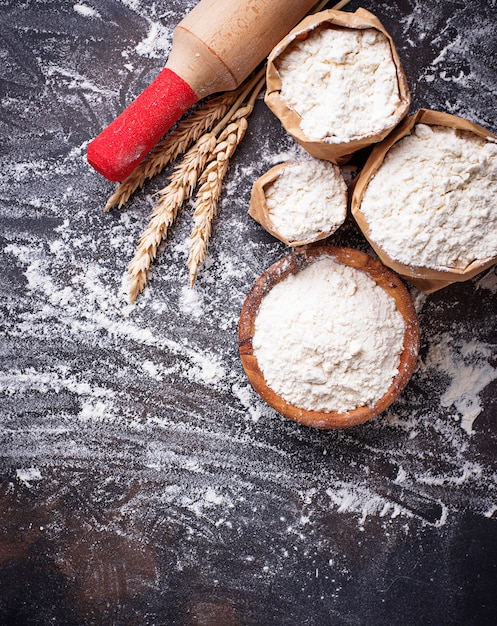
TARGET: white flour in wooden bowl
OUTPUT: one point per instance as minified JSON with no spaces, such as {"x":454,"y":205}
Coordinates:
{"x":342,"y":82}
{"x":327,"y":338}
{"x":307,"y":199}
{"x":432,"y":203}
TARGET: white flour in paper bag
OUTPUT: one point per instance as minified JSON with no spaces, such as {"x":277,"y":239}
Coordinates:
{"x":342,"y":82}
{"x":433,"y":203}
{"x":307,"y":199}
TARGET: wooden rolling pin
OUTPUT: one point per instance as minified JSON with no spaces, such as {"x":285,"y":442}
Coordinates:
{"x":215,"y":47}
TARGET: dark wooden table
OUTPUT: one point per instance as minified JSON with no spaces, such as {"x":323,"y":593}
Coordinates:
{"x":142,"y":480}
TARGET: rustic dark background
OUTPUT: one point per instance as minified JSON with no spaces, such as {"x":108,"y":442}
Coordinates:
{"x":142,"y":480}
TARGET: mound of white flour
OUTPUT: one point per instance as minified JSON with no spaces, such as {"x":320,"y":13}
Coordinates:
{"x":342,"y":82}
{"x":328,"y":338}
{"x":307,"y":199}
{"x":433,"y":202}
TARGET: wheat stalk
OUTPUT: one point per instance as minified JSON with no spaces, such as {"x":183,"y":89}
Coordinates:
{"x":212,"y":180}
{"x":181,"y":186}
{"x":188,"y":131}
{"x":208,"y":194}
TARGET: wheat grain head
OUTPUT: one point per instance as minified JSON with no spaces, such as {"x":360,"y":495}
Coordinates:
{"x":211,"y":182}
{"x":171,"y":198}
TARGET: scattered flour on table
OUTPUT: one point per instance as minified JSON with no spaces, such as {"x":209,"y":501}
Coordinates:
{"x":86,"y":11}
{"x":361,"y":502}
{"x":157,"y":43}
{"x":158,"y":40}
{"x":81,"y":307}
{"x":342,"y":83}
{"x":307,"y":199}
{"x":432,"y":201}
{"x":468,"y":366}
{"x":245,"y":394}
{"x":29,"y":475}
{"x":190,"y":302}
{"x":328,"y":362}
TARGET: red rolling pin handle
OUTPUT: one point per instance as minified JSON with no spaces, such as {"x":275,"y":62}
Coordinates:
{"x":124,"y":143}
{"x":215,"y":47}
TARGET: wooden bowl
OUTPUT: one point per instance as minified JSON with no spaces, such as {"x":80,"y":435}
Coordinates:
{"x":383,"y":277}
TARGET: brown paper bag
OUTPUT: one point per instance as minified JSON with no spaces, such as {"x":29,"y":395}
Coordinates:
{"x":336,"y":152}
{"x":259,"y":211}
{"x":426,"y":279}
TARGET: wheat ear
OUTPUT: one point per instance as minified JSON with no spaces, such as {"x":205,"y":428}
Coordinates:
{"x":182,"y":183}
{"x":188,"y":131}
{"x":211,"y":183}
{"x":207,"y":198}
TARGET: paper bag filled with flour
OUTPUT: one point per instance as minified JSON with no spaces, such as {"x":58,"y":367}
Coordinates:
{"x":336,"y":83}
{"x":300,"y":202}
{"x":426,"y":200}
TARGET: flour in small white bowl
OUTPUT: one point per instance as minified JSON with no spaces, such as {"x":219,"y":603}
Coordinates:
{"x":327,"y":338}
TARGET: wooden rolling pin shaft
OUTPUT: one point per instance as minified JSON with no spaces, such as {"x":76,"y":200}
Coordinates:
{"x":215,"y":47}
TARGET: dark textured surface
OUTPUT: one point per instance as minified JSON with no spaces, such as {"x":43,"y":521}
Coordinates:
{"x":143,"y":481}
